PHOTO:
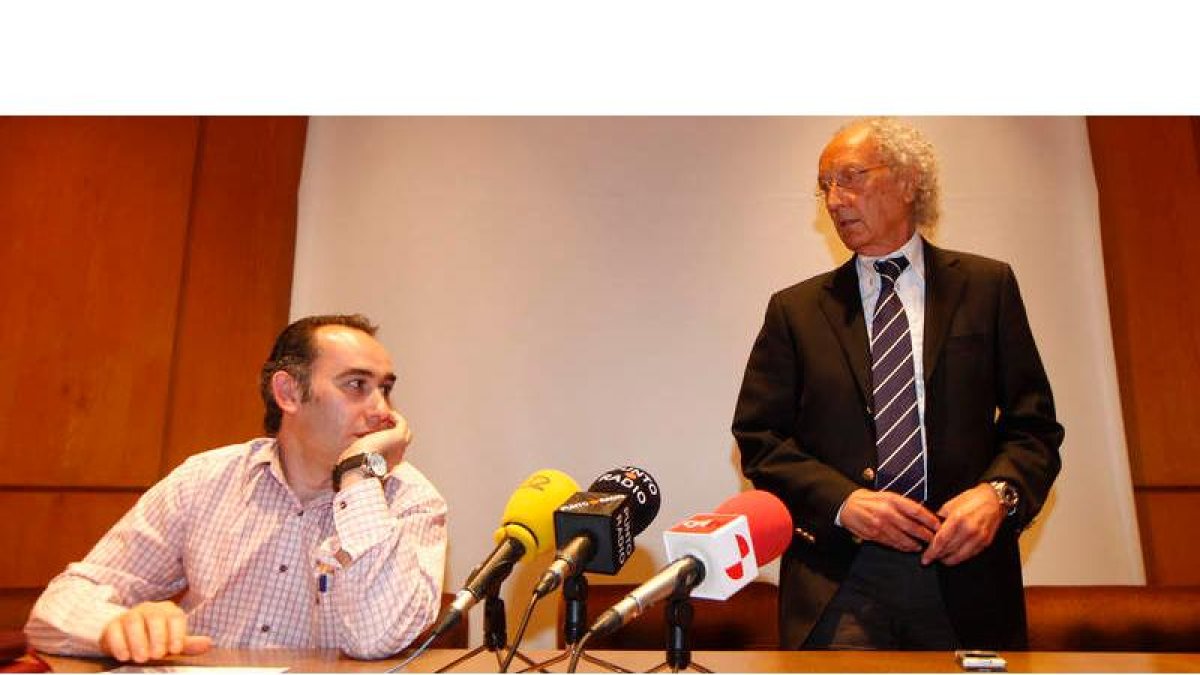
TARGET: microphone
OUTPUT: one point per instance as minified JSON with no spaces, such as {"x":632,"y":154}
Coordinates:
{"x":526,"y":529}
{"x":595,"y":529}
{"x":714,"y":555}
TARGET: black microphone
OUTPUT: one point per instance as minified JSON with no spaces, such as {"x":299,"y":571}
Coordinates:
{"x":594,"y":530}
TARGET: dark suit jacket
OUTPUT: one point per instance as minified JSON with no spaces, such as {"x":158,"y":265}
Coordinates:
{"x":805,"y":432}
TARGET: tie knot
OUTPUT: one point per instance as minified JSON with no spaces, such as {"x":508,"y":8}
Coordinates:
{"x":891,"y":267}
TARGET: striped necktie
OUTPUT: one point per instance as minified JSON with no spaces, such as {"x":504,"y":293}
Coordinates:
{"x":894,"y":394}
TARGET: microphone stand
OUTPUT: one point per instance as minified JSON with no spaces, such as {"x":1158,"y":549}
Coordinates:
{"x":575,"y":589}
{"x":679,"y":615}
{"x":495,"y":630}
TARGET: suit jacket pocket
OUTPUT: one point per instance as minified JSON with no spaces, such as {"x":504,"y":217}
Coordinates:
{"x":967,"y":342}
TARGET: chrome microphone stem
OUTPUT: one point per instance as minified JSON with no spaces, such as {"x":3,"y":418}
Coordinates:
{"x":463,"y":600}
{"x":684,"y":573}
{"x":569,"y":562}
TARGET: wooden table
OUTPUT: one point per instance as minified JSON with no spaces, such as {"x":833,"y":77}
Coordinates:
{"x":327,"y":660}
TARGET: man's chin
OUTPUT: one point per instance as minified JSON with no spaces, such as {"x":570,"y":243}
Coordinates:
{"x":850,"y":239}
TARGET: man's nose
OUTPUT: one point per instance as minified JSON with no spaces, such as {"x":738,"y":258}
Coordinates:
{"x":380,"y":405}
{"x":833,"y":196}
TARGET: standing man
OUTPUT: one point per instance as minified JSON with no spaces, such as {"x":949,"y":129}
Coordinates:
{"x":899,"y":407}
{"x":320,"y":535}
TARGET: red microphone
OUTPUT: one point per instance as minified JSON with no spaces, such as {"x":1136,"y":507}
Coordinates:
{"x":714,"y":555}
{"x":744,"y":533}
{"x":770,"y":522}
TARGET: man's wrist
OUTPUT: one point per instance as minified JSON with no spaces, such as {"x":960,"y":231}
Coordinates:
{"x":367,"y":464}
{"x":1007,"y":495}
{"x":837,"y":518}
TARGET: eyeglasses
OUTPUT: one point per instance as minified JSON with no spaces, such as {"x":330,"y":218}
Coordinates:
{"x":851,"y":178}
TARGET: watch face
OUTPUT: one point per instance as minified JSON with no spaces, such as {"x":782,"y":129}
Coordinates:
{"x":375,"y":464}
{"x":1007,"y":495}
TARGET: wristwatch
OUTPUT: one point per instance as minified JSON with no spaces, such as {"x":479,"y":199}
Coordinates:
{"x":1007,"y":494}
{"x":371,"y":464}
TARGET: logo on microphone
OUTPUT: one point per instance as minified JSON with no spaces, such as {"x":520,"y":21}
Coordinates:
{"x":588,"y":501}
{"x":631,"y":480}
{"x":737,"y":570}
{"x":723,"y":543}
{"x":704,"y":523}
{"x":537,"y":482}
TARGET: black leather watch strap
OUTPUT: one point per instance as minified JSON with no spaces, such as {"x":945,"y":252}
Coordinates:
{"x":340,"y":469}
{"x":367,"y":462}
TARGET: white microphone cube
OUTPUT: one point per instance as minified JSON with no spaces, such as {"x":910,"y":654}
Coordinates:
{"x":722,"y":542}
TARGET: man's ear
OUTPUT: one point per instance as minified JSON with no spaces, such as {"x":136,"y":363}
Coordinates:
{"x":286,"y":390}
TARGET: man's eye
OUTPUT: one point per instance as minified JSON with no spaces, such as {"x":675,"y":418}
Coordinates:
{"x":357,"y":385}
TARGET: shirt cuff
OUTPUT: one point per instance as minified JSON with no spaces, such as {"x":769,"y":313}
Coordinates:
{"x":92,"y":623}
{"x":360,"y":518}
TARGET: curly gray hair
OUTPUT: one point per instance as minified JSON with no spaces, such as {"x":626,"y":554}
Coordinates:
{"x":904,"y":147}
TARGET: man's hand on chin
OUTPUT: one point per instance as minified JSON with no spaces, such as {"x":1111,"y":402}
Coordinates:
{"x":391,"y":441}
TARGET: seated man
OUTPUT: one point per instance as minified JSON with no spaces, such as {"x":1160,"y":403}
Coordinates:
{"x":320,"y":535}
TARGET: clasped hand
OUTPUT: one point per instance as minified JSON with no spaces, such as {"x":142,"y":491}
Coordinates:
{"x":963,"y":527}
{"x":151,"y":630}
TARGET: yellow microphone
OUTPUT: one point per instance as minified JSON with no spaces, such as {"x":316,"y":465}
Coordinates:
{"x":526,"y":528}
{"x":529,"y":515}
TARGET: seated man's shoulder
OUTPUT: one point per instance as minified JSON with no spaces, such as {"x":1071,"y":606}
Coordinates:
{"x":220,"y":463}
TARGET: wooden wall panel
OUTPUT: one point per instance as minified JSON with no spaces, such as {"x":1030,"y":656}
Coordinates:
{"x":1148,"y":183}
{"x":237,"y":285}
{"x":1167,"y":520}
{"x":1148,"y":180}
{"x":145,"y":268}
{"x":15,"y":604}
{"x":94,"y":213}
{"x":55,"y":528}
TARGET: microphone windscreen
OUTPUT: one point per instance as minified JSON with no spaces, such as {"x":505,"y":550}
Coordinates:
{"x":770,"y":522}
{"x":641,"y":489}
{"x":529,"y":514}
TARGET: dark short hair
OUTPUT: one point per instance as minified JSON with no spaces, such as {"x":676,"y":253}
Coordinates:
{"x":294,"y":352}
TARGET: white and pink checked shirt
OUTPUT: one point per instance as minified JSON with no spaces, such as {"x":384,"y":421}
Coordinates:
{"x":257,"y":568}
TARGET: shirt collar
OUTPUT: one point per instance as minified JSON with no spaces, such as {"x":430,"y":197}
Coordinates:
{"x":913,"y":249}
{"x":263,"y":451}
{"x":263,"y":459}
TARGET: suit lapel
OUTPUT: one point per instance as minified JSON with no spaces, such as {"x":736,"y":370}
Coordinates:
{"x":944,"y":285}
{"x":842,"y":305}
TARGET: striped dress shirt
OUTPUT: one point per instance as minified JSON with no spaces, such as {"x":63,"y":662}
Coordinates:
{"x":256,"y":567}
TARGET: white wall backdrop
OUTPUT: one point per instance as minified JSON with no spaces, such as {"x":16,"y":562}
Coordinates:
{"x":577,"y":293}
